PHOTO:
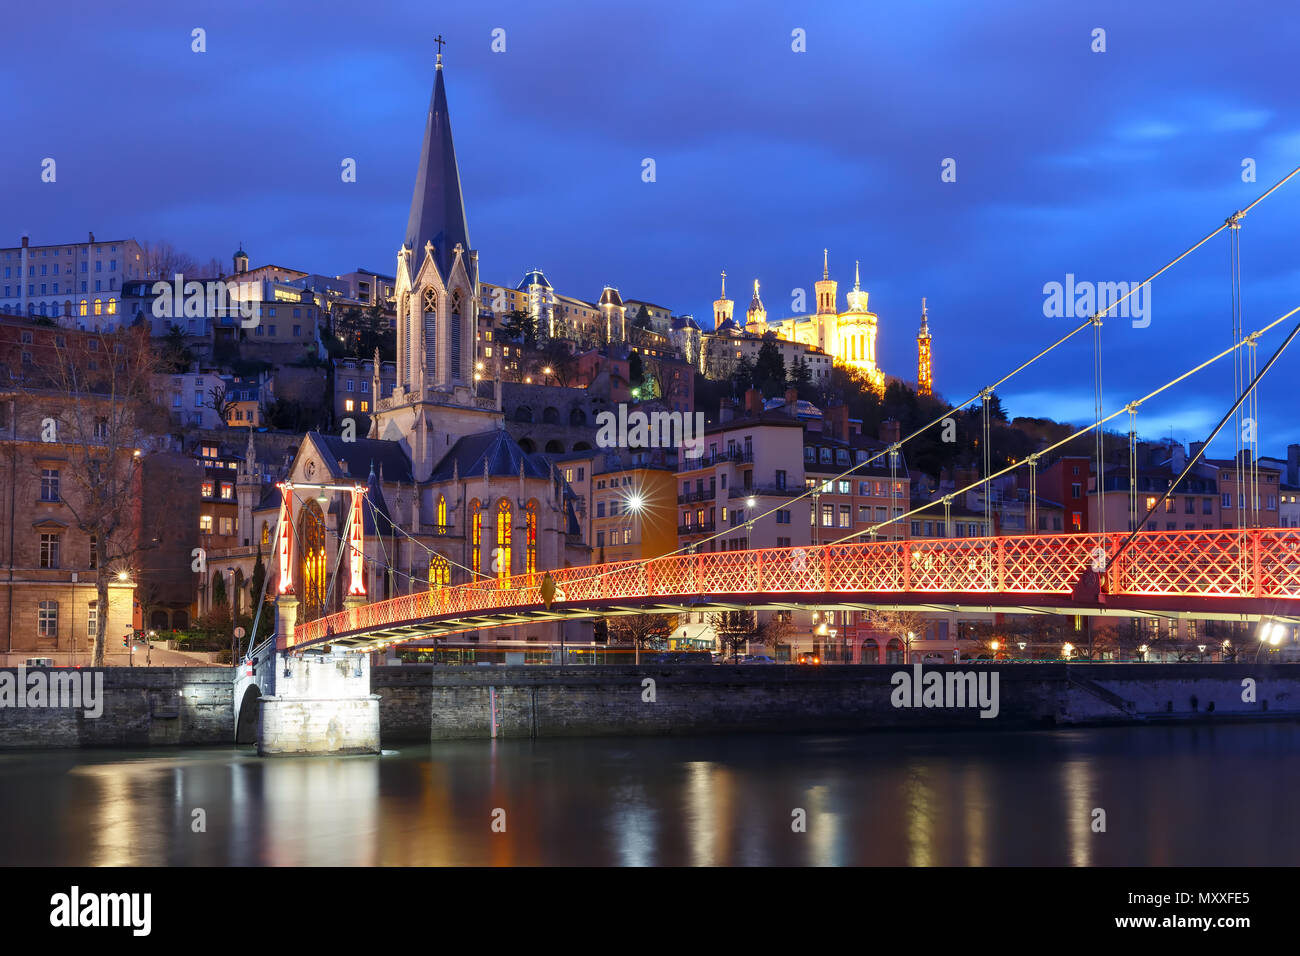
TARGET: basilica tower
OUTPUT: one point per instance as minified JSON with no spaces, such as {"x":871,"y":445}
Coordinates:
{"x":722,"y":307}
{"x":855,"y":344}
{"x":756,"y":316}
{"x":824,"y":320}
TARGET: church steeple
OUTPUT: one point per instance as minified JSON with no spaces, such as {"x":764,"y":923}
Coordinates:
{"x":437,"y":207}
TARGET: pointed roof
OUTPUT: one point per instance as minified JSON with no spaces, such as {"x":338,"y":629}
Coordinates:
{"x":437,"y":208}
{"x":376,"y":518}
{"x":493,"y":453}
{"x":354,"y":459}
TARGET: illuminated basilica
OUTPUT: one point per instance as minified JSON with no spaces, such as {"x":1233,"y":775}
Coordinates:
{"x":849,"y":337}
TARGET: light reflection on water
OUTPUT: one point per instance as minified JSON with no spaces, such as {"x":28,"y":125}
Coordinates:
{"x":1199,"y":795}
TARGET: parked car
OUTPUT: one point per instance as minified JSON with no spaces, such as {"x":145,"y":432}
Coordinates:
{"x":757,"y":659}
{"x":809,"y":659}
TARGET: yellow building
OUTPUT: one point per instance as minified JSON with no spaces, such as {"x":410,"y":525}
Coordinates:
{"x":632,"y":509}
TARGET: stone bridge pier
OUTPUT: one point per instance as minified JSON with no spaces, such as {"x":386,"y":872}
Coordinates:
{"x":321,"y":704}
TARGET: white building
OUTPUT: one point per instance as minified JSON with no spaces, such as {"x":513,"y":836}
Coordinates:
{"x":81,"y":282}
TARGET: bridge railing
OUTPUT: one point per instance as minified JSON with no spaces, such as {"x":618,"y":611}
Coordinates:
{"x":1262,"y":563}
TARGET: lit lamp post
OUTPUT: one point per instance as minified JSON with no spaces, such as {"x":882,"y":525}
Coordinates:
{"x":1142,"y":649}
{"x":1067,"y":649}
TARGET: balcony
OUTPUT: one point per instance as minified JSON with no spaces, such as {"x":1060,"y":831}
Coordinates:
{"x":689,"y":496}
{"x":738,"y":455}
{"x":706,"y":528}
{"x":756,"y":490}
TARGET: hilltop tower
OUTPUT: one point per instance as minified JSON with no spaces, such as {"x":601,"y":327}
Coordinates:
{"x":722,"y":307}
{"x":924,"y":372}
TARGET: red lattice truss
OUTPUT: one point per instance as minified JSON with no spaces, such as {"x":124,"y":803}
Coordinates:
{"x":1249,"y":563}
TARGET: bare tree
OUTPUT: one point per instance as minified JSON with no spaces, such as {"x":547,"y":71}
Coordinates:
{"x":162,"y":260}
{"x":220,"y":401}
{"x":735,"y":629}
{"x":97,"y":399}
{"x":775,"y":631}
{"x":642,"y":631}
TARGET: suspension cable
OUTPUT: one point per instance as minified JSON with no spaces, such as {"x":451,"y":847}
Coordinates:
{"x":1087,"y":428}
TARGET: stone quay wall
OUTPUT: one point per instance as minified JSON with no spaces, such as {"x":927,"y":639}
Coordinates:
{"x":427,"y":702}
{"x":140,"y":707}
{"x":189,"y":706}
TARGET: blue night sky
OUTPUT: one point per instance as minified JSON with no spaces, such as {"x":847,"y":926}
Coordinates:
{"x":1068,"y":161}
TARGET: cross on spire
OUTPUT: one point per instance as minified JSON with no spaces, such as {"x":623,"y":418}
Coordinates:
{"x":440,"y":41}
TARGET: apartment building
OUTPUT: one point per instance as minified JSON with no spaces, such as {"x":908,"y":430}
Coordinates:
{"x":80,"y":283}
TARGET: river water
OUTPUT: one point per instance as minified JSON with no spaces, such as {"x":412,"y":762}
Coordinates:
{"x":1171,"y":795}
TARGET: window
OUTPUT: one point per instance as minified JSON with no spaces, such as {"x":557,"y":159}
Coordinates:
{"x":92,"y":619}
{"x":226,"y":526}
{"x":442,"y":515}
{"x":810,"y":454}
{"x":205,"y":524}
{"x":476,"y":536}
{"x":49,"y":484}
{"x":94,"y":552}
{"x":1226,"y":502}
{"x":828,"y":513}
{"x":348,"y":405}
{"x":49,"y":550}
{"x":845,"y":516}
{"x":101,"y":428}
{"x":439,"y":571}
{"x":209,"y":489}
{"x":845,"y":488}
{"x":780,"y":480}
{"x":864,"y":513}
{"x":783,"y":516}
{"x":502,"y":556}
{"x":349,"y":387}
{"x":227,"y":491}
{"x":826,"y":456}
{"x":600,"y":539}
{"x":530,"y":542}
{"x":47,"y":619}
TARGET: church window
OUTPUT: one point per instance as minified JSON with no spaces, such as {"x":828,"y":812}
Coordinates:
{"x":531,"y":551}
{"x":476,"y":536}
{"x":266,"y":533}
{"x":442,"y":515}
{"x":456,"y":372}
{"x":314,"y":565}
{"x":439,"y":572}
{"x":431,"y":329}
{"x":502,"y":556}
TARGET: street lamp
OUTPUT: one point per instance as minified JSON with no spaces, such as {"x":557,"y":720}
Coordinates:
{"x":1067,"y":649}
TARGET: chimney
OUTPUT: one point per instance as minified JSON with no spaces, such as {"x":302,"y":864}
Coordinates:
{"x":792,"y":399}
{"x":727,"y":410}
{"x":1177,"y":456}
{"x":889,"y":430}
{"x":753,"y":402}
{"x":835,"y":422}
{"x":1195,"y":447}
{"x":92,"y":238}
{"x":24,"y":242}
{"x":1293,"y":464}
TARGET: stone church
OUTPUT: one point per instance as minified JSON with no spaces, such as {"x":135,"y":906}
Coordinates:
{"x":452,"y":496}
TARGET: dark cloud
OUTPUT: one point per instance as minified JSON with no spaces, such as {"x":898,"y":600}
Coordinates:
{"x":1100,"y":165}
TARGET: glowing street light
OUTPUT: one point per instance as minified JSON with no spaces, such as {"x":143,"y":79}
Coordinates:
{"x":1067,"y":649}
{"x":635,"y":503}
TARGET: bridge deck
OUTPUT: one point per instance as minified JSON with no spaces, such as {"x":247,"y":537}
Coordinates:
{"x":1237,"y":574}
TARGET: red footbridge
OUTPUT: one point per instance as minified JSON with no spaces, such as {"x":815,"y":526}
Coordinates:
{"x":1235,"y":574}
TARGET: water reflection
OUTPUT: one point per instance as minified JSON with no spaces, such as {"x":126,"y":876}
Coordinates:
{"x":1173,"y":797}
